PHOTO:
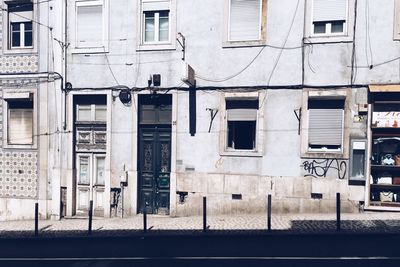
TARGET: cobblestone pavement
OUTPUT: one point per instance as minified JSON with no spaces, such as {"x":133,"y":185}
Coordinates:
{"x":367,"y":222}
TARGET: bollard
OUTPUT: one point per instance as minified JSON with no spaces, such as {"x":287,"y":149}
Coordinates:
{"x":36,"y":219}
{"x":90,"y":217}
{"x":144,"y":219}
{"x":269,"y":212}
{"x":337,"y":211}
{"x":204,"y":214}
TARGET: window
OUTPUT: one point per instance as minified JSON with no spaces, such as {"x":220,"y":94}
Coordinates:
{"x":91,"y":112}
{"x":20,"y":31}
{"x":20,"y":122}
{"x":91,"y":25}
{"x":241,"y":124}
{"x":156,"y":21}
{"x":245,"y":20}
{"x":325,"y":124}
{"x":329,"y":17}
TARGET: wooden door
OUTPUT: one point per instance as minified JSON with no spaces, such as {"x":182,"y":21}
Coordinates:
{"x":154,"y":169}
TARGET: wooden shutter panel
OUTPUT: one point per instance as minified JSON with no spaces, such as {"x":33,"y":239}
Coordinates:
{"x":155,"y":5}
{"x":329,"y":10}
{"x":245,"y":20}
{"x":89,"y":26}
{"x":325,"y":127}
{"x":20,"y":126}
{"x":242,"y":114}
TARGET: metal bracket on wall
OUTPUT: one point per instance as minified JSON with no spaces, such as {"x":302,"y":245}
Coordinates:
{"x":297,"y":112}
{"x":213,"y":113}
{"x":182,"y":44}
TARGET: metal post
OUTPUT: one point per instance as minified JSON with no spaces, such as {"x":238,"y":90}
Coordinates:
{"x":122,"y":200}
{"x":269,"y":212}
{"x":337,"y":211}
{"x":204,"y":214}
{"x":90,"y":217}
{"x":36,"y":219}
{"x":145,"y":219}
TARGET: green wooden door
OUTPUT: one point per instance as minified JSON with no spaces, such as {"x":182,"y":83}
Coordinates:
{"x":154,"y":169}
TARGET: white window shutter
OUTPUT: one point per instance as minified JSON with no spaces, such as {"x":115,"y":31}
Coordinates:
{"x":89,"y":26}
{"x":329,"y":10}
{"x":245,"y":20}
{"x":325,"y":127}
{"x":23,"y":16}
{"x":156,"y":5}
{"x":242,"y":114}
{"x":20,"y":126}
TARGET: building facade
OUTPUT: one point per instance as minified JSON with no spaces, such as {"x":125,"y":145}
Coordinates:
{"x":163,"y":102}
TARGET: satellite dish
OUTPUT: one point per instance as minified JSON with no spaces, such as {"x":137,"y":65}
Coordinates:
{"x":125,"y":96}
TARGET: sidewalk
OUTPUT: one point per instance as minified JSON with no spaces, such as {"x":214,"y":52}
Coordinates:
{"x":368,"y":222}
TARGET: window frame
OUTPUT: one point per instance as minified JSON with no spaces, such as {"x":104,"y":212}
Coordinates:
{"x":396,"y":17}
{"x":142,"y":45}
{"x":337,"y":94}
{"x":103,"y":47}
{"x":259,"y":136}
{"x":93,"y":109}
{"x":19,"y":95}
{"x":228,"y":43}
{"x":329,"y":37}
{"x":7,"y":45}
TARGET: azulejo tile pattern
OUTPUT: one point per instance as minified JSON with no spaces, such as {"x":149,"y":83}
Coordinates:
{"x":18,"y":174}
{"x":18,"y":64}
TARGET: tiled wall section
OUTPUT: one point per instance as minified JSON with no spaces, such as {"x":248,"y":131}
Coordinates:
{"x":18,"y":174}
{"x":18,"y":64}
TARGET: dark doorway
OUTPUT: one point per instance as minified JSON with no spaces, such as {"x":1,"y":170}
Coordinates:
{"x":154,"y":153}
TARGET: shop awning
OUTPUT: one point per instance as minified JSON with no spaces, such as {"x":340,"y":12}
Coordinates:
{"x":390,"y":88}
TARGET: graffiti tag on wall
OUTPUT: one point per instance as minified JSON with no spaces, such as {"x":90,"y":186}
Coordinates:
{"x":320,"y":168}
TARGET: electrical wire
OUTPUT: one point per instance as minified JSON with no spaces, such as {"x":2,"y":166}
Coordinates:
{"x":109,"y":67}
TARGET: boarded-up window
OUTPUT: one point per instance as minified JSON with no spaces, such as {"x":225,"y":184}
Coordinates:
{"x":20,"y":122}
{"x":329,"y":16}
{"x":325,"y":130}
{"x":241,"y":124}
{"x":245,"y":20}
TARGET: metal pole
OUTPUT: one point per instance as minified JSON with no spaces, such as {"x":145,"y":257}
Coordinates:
{"x":122,"y":200}
{"x":337,"y":211}
{"x":36,"y":219}
{"x":269,"y":212}
{"x":145,"y":219}
{"x":90,"y":217}
{"x":204,"y":214}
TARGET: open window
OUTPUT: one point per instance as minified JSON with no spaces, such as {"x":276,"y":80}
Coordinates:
{"x":19,"y":24}
{"x":242,"y":125}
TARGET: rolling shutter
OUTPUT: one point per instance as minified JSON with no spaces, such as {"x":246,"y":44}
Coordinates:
{"x":325,"y":127}
{"x":242,"y":114}
{"x":329,"y":10}
{"x":89,"y":26}
{"x":20,"y":126}
{"x":155,"y":5}
{"x":245,"y":20}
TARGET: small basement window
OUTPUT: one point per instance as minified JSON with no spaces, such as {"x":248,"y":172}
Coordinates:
{"x":241,"y":124}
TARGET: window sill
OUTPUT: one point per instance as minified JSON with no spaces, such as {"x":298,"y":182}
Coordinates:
{"x":20,"y":51}
{"x":89,"y":50}
{"x":323,"y":154}
{"x":241,"y":153}
{"x":238,"y":44}
{"x":155,"y":47}
{"x":316,"y":39}
{"x":8,"y":146}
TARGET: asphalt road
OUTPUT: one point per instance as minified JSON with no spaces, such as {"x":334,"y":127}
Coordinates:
{"x":211,"y":249}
